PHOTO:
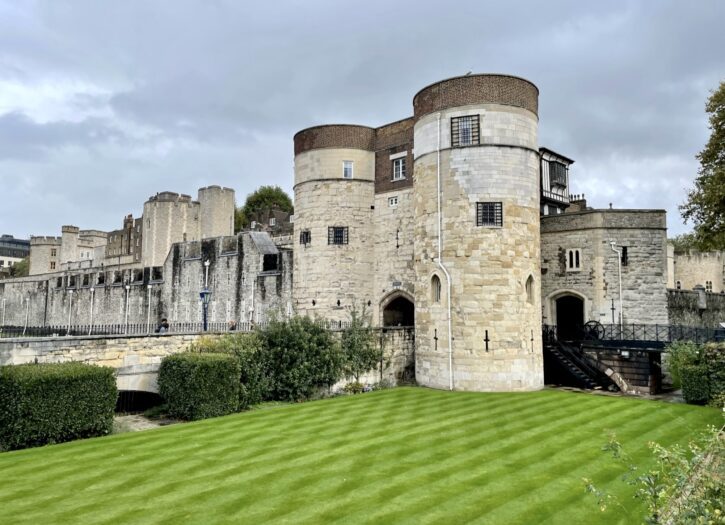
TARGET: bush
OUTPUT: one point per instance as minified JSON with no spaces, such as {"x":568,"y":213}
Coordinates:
{"x":679,"y":355}
{"x":358,"y":346}
{"x":300,"y":357}
{"x":52,"y":403}
{"x":199,"y":385}
{"x":695,"y":387}
{"x":713,"y":356}
{"x":255,"y":383}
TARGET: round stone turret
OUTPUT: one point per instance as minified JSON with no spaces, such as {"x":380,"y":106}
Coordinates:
{"x":476,"y":139}
{"x":333,"y":225}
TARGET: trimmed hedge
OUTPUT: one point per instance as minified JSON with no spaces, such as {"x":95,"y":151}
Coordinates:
{"x":51,"y":403}
{"x":695,"y":387}
{"x":714,"y":358}
{"x":198,"y":386}
{"x":255,"y":382}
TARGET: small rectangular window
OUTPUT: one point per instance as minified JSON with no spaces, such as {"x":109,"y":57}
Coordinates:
{"x":347,"y":169}
{"x":337,"y":235}
{"x":489,"y":214}
{"x":708,"y":286}
{"x":393,"y":201}
{"x":557,"y":173}
{"x":305,"y":237}
{"x":573,"y":260}
{"x":272,"y":221}
{"x":399,"y":169}
{"x":625,"y":258}
{"x":52,"y":265}
{"x":464,"y":131}
{"x":53,"y":252}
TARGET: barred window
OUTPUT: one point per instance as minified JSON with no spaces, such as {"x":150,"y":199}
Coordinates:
{"x":489,"y":214}
{"x":464,"y":131}
{"x":399,"y":169}
{"x":305,"y":237}
{"x":337,"y":235}
{"x":708,"y":286}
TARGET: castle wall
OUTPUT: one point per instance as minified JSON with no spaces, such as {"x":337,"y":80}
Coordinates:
{"x":697,"y":269}
{"x":168,"y":218}
{"x":644,"y":277}
{"x":44,"y":255}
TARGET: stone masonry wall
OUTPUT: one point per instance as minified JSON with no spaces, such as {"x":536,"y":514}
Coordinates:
{"x":644,"y":278}
{"x":691,"y":308}
{"x":695,"y":269}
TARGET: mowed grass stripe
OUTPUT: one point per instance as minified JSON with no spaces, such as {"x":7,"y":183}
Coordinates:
{"x":406,"y":455}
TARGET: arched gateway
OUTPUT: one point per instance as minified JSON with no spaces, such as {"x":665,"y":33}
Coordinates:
{"x":398,"y":310}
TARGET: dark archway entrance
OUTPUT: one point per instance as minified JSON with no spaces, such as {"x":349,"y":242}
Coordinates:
{"x":399,"y":312}
{"x":569,"y":317}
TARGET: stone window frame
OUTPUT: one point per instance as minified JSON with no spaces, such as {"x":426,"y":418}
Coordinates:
{"x":305,"y":237}
{"x":53,"y":252}
{"x":708,"y":286}
{"x":574,"y":260}
{"x":52,"y":265}
{"x":625,"y":256}
{"x":348,"y":169}
{"x":465,"y":131}
{"x":529,"y":288}
{"x":435,"y":289}
{"x":489,"y":214}
{"x":678,"y":285}
{"x":393,"y":201}
{"x":337,"y":235}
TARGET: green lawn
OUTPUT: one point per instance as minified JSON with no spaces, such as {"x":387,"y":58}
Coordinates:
{"x":408,"y":455}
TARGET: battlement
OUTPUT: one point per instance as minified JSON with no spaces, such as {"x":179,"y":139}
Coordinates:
{"x":69,"y":229}
{"x":93,"y":233}
{"x":170,"y":196}
{"x":216,"y":188}
{"x":43,"y":239}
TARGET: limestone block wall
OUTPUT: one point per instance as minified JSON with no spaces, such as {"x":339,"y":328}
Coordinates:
{"x":696,"y":269}
{"x":328,"y":273}
{"x":216,"y":211}
{"x":394,"y":248}
{"x":69,"y":243}
{"x":692,"y":308}
{"x":43,"y":251}
{"x":168,"y":218}
{"x":489,"y":266}
{"x":644,"y":277}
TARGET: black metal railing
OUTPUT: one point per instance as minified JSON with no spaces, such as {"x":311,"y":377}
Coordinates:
{"x":15,"y":331}
{"x":658,"y":333}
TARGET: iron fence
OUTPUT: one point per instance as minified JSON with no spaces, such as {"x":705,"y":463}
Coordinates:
{"x":658,"y":333}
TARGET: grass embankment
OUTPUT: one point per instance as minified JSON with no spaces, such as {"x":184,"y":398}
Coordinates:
{"x":405,"y":455}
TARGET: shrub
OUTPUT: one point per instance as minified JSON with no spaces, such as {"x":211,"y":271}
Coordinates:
{"x":358,"y":346}
{"x":199,"y":385}
{"x":695,"y":384}
{"x":255,"y":383}
{"x":52,"y":403}
{"x":679,"y":355}
{"x":300,"y":357}
{"x":714,"y":358}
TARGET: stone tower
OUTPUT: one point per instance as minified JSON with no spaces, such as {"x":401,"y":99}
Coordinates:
{"x":477,"y":250}
{"x":333,"y":227}
{"x":217,"y":211}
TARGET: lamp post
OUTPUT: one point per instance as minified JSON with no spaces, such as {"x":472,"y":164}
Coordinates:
{"x":148,"y":311}
{"x":70,"y":309}
{"x":205,"y":295}
{"x":125,"y":322}
{"x":93,"y":296}
{"x":612,"y":244}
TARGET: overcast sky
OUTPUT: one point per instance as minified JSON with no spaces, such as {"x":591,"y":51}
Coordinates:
{"x":105,"y":103}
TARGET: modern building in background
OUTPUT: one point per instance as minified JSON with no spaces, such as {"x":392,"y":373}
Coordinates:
{"x":12,"y":251}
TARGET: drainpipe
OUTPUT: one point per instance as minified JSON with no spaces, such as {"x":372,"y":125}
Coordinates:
{"x":612,"y":244}
{"x":440,"y":260}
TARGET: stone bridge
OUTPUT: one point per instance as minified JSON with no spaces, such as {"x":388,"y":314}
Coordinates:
{"x":135,"y":358}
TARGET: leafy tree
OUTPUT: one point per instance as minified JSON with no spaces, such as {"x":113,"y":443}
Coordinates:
{"x":264,"y":198}
{"x":684,"y":242}
{"x":20,"y":268}
{"x":358,"y":345}
{"x":705,"y":205}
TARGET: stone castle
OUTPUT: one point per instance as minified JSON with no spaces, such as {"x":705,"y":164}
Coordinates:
{"x":454,"y":221}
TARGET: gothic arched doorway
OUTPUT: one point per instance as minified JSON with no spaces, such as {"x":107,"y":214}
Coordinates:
{"x":399,"y":312}
{"x":569,"y":317}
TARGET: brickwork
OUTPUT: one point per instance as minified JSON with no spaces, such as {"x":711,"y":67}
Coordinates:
{"x":391,"y":140}
{"x":335,"y":136}
{"x":476,"y":89}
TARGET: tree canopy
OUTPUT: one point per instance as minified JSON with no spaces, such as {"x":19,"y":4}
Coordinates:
{"x":705,"y":205}
{"x":264,"y":198}
{"x":21,"y":268}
